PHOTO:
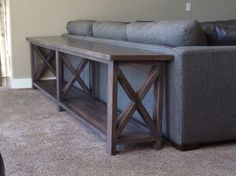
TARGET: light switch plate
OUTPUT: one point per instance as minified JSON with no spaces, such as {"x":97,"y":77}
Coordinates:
{"x":188,"y":6}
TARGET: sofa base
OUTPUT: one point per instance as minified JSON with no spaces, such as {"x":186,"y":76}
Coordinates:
{"x":186,"y":147}
{"x":197,"y":146}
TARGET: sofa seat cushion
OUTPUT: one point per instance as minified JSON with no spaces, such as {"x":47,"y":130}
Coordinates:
{"x":170,"y":33}
{"x":80,"y":27}
{"x":220,"y":34}
{"x":110,"y":30}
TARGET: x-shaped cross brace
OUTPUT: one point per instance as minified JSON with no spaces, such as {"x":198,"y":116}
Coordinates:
{"x":46,"y":62}
{"x":76,"y":76}
{"x":137,"y":98}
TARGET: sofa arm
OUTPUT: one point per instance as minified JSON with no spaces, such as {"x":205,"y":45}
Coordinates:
{"x":208,"y":93}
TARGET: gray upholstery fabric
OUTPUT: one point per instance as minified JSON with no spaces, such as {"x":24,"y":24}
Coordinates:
{"x":80,"y":27}
{"x":170,"y":33}
{"x":110,"y":30}
{"x":208,"y":95}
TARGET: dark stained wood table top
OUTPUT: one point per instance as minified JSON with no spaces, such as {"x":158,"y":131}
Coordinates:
{"x":102,"y":51}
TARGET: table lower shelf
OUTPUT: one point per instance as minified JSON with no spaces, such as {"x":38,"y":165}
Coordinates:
{"x":95,"y":113}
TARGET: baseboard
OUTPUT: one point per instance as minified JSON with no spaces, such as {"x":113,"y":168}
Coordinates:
{"x":25,"y":83}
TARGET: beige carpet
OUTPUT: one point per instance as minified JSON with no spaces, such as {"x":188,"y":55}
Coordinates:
{"x":36,"y":140}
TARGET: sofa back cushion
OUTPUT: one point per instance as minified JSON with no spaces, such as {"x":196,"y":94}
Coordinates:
{"x":170,"y":33}
{"x":110,"y":30}
{"x":80,"y":27}
{"x":220,"y":33}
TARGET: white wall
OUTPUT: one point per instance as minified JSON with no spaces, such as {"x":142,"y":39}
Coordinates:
{"x":49,"y":17}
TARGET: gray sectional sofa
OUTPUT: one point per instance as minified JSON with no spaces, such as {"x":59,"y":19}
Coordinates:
{"x":201,"y":81}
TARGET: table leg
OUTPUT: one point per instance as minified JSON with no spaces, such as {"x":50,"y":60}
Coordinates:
{"x":59,"y":75}
{"x":2,"y":168}
{"x":33,"y":71}
{"x":92,"y":77}
{"x":159,"y":90}
{"x":112,"y":107}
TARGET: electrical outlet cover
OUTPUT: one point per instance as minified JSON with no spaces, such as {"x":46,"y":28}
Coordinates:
{"x":188,"y":6}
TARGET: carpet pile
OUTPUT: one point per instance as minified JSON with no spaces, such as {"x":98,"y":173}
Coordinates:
{"x":37,"y":140}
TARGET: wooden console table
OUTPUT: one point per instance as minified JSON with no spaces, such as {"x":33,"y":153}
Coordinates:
{"x":117,"y":127}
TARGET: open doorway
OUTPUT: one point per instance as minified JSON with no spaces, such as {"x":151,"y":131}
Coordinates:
{"x":5,"y":57}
